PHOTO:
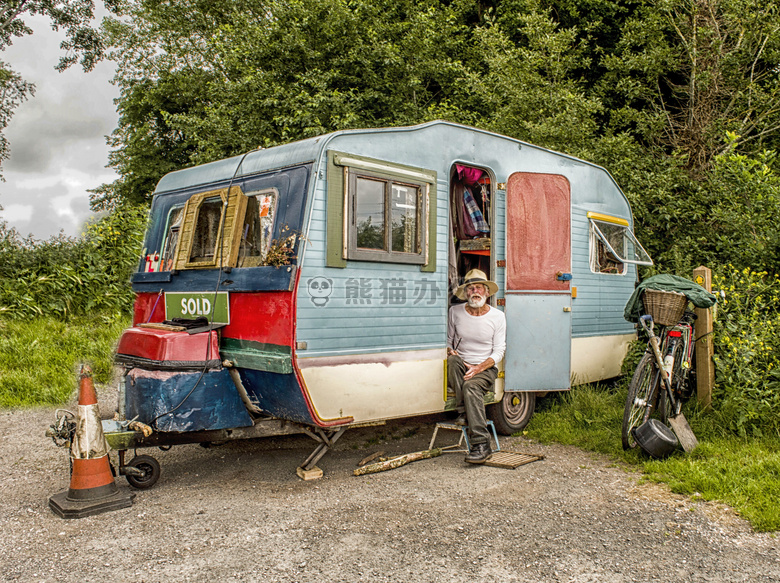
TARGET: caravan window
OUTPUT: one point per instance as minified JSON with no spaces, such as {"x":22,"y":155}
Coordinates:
{"x":380,"y":211}
{"x":171,"y":243}
{"x":206,"y":233}
{"x":209,"y":230}
{"x":377,"y":229}
{"x":613,"y":245}
{"x":386,"y":218}
{"x":258,"y":229}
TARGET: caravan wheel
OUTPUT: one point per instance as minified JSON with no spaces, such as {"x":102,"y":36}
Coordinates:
{"x":513,"y":412}
{"x":150,"y":472}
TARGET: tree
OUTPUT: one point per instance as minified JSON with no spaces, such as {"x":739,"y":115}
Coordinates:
{"x":685,"y":72}
{"x":82,"y":44}
{"x":13,"y":91}
{"x":206,"y":80}
{"x":648,"y":89}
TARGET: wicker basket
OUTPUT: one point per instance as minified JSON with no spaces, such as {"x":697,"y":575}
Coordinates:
{"x":665,"y":307}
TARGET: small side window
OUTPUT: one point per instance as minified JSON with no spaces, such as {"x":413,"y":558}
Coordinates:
{"x":613,"y":245}
{"x":257,"y":233}
{"x":171,"y":243}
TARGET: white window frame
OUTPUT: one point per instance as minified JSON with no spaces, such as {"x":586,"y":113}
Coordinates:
{"x":389,"y":174}
{"x":641,"y":257}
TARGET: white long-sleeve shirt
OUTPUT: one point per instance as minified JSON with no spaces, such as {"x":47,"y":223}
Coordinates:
{"x":477,"y":338}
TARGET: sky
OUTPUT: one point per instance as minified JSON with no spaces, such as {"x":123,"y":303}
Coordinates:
{"x":57,"y":138}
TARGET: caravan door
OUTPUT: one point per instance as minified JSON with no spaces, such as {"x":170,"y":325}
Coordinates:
{"x":538,"y":296}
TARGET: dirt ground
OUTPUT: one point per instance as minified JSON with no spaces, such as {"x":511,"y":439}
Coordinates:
{"x":239,"y":512}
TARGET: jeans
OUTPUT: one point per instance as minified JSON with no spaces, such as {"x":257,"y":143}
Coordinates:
{"x":470,"y":393}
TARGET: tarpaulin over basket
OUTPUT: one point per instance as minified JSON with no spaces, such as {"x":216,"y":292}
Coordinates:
{"x":696,"y":294}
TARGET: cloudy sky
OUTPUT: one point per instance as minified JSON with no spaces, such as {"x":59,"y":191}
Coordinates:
{"x":57,"y":138}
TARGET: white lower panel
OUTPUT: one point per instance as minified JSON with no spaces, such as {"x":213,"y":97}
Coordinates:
{"x":598,"y":357}
{"x":394,"y":385}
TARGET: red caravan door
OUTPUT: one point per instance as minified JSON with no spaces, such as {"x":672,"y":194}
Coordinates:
{"x":538,"y":296}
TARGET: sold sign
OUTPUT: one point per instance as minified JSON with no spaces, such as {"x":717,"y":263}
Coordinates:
{"x":213,"y":306}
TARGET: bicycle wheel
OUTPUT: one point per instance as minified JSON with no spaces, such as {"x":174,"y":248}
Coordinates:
{"x":642,"y":391}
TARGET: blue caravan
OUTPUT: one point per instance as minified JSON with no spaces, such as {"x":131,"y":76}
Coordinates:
{"x":305,"y":287}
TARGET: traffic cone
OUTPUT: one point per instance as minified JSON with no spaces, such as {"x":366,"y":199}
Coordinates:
{"x":92,"y":488}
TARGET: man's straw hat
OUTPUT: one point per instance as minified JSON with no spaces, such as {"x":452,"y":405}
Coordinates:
{"x":475,"y":276}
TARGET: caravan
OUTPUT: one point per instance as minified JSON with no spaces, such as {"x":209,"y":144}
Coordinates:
{"x":305,"y":287}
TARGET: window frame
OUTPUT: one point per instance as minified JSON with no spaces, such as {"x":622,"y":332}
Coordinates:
{"x":230,"y":224}
{"x":386,"y":254}
{"x":167,"y":235}
{"x":343,"y":172}
{"x":257,"y":260}
{"x":597,"y":237}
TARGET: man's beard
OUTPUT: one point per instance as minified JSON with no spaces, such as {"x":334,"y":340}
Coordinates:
{"x":477,"y":302}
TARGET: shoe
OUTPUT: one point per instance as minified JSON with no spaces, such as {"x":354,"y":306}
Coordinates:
{"x":450,"y":404}
{"x":461,"y":420}
{"x":479,"y":453}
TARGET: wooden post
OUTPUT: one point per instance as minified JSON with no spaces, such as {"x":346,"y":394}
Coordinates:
{"x":705,"y":347}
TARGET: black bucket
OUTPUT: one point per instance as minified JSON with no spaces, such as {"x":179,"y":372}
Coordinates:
{"x":655,"y":438}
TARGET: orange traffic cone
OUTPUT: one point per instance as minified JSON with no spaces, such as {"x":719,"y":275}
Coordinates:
{"x":92,"y":488}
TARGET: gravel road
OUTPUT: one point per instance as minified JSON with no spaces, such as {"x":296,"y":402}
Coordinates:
{"x":238,"y":512}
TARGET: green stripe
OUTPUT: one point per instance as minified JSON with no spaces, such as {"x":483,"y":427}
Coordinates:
{"x":257,"y":355}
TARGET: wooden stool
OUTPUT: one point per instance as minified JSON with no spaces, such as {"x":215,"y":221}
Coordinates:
{"x":463,"y":437}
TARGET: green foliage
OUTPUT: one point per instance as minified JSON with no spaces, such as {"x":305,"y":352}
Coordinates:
{"x":529,"y":91}
{"x":747,"y":352}
{"x":203,"y":81}
{"x":40,"y":357}
{"x":742,"y":221}
{"x":745,"y":474}
{"x":65,"y":277}
{"x":682,"y":73}
{"x":73,"y":16}
{"x":726,"y":216}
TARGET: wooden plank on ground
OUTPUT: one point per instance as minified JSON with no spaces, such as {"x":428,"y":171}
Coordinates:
{"x":683,"y":432}
{"x":511,"y":459}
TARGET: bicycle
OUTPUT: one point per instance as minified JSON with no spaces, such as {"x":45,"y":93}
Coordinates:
{"x":662,"y":380}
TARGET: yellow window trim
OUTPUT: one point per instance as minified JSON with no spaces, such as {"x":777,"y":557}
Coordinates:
{"x":607,"y":219}
{"x":230,"y":223}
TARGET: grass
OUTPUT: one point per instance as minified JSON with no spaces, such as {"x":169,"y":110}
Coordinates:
{"x":40,"y":358}
{"x":741,"y":472}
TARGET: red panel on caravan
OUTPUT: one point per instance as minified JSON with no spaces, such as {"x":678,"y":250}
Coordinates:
{"x":262,"y":317}
{"x":258,"y":316}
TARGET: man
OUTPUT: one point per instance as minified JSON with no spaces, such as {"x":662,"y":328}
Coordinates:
{"x":476,"y":342}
